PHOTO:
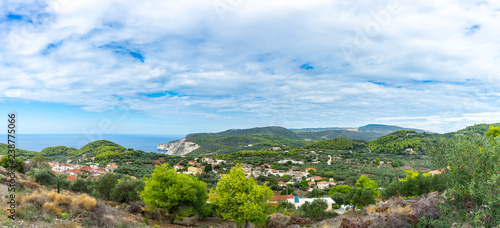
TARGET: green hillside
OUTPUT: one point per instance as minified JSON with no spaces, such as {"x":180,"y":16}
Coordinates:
{"x":336,"y":144}
{"x":397,"y":142}
{"x":4,"y":149}
{"x":330,"y":134}
{"x":235,"y":132}
{"x":384,"y":129}
{"x":228,"y":144}
{"x":96,"y":147}
{"x":57,"y":150}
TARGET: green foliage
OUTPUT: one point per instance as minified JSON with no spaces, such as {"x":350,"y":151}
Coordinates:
{"x":108,"y":155}
{"x":96,"y":147}
{"x":79,"y":185}
{"x":179,"y":194}
{"x":240,"y":198}
{"x":415,"y":185}
{"x":208,"y":168}
{"x":64,"y":183}
{"x":127,"y":190}
{"x":377,"y":161}
{"x":335,"y":144}
{"x":57,"y":150}
{"x":336,"y":133}
{"x":340,"y":189}
{"x":473,"y":194}
{"x":397,"y":142}
{"x":227,"y":143}
{"x":361,"y":197}
{"x":105,"y":184}
{"x":39,"y":161}
{"x":4,"y":150}
{"x":365,"y":183}
{"x":493,"y":132}
{"x":314,"y":210}
{"x":43,"y":176}
{"x":15,"y":164}
{"x":134,"y":170}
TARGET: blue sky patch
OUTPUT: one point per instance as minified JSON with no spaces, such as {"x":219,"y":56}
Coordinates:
{"x":122,"y":49}
{"x":473,"y":29}
{"x":159,"y":94}
{"x":306,"y":66}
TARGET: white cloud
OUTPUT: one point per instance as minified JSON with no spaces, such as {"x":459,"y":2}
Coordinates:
{"x":372,"y":61}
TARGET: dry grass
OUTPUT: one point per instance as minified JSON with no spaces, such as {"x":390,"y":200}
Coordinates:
{"x":67,"y":224}
{"x":52,"y":208}
{"x":59,"y":199}
{"x":371,"y":209}
{"x":84,"y":201}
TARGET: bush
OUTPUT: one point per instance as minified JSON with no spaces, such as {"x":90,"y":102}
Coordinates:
{"x":105,"y":184}
{"x":314,"y":210}
{"x":473,"y":195}
{"x":43,"y":176}
{"x":126,"y":190}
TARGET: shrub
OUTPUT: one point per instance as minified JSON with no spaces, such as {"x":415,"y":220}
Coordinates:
{"x":59,"y":199}
{"x":43,"y":176}
{"x":126,"y":190}
{"x":314,"y":210}
{"x":52,"y":208}
{"x":84,"y":202}
{"x":473,"y":160}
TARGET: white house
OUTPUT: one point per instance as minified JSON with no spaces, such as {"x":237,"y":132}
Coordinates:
{"x":297,"y":202}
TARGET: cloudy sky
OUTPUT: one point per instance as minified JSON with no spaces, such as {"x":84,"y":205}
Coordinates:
{"x":177,"y":67}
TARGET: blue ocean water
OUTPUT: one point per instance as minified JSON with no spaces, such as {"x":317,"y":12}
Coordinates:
{"x":37,"y":142}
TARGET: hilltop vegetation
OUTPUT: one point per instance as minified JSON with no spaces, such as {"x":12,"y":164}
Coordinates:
{"x":384,"y":129}
{"x":336,"y":144}
{"x":398,"y":142}
{"x":329,"y":134}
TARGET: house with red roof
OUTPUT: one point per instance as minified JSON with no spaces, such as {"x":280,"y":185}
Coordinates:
{"x":71,"y":178}
{"x":282,"y":184}
{"x":323,"y":185}
{"x":307,"y":169}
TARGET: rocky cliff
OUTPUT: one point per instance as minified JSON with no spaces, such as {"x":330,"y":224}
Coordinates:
{"x":178,"y":147}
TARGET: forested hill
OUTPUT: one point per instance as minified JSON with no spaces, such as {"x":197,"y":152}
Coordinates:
{"x":330,"y":134}
{"x":236,"y":132}
{"x":384,"y":129}
{"x":399,"y":142}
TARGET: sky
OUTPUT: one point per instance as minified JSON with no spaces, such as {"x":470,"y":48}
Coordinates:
{"x":179,"y":67}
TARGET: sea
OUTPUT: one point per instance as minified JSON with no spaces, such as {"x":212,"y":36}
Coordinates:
{"x":37,"y":142}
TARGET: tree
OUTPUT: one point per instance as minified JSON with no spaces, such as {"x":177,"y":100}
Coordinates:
{"x":39,"y":161}
{"x":312,"y":172}
{"x":365,"y":183}
{"x":13,"y":163}
{"x":328,"y":174}
{"x":126,"y":190}
{"x":179,"y":194}
{"x":472,"y":163}
{"x":106,"y":183}
{"x":43,"y":176}
{"x":377,"y":161}
{"x":208,"y":168}
{"x":286,"y":178}
{"x":493,"y":132}
{"x":340,"y":189}
{"x":361,"y":197}
{"x":240,"y":198}
{"x":314,"y":210}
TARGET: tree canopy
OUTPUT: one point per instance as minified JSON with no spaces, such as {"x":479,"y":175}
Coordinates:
{"x":240,"y":198}
{"x":179,"y":194}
